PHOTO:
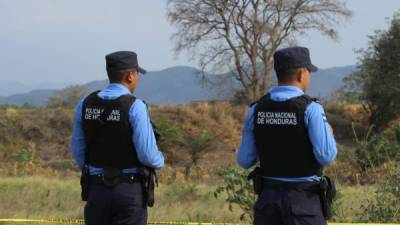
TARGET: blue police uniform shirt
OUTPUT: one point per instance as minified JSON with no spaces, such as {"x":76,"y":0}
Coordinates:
{"x":143,"y":135}
{"x":324,"y":145}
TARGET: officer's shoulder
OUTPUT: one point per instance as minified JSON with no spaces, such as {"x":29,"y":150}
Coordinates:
{"x":86,"y":97}
{"x":267,"y":96}
{"x":139,"y":106}
{"x":315,"y":106}
{"x":92,"y":94}
{"x":312,"y":99}
{"x":253,"y":104}
{"x":139,"y":103}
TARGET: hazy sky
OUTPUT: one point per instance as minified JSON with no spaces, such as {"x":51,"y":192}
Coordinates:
{"x":59,"y":41}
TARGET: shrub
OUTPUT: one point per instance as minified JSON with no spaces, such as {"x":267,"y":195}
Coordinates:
{"x":380,"y":148}
{"x":171,"y":134}
{"x":24,"y":156}
{"x":199,"y":144}
{"x":239,"y":191}
{"x":386,"y":205}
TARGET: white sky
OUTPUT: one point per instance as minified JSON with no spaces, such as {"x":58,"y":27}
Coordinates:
{"x":64,"y":41}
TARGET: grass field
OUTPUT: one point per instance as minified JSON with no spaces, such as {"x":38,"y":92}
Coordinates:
{"x":39,"y":197}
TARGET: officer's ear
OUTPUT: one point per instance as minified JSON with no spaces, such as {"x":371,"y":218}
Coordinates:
{"x":299,"y":75}
{"x":130,"y":76}
{"x":302,"y":74}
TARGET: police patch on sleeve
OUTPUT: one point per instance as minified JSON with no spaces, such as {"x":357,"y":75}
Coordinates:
{"x":277,"y":118}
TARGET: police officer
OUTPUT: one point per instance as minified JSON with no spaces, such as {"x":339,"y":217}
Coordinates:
{"x":113,"y":138}
{"x":288,"y":133}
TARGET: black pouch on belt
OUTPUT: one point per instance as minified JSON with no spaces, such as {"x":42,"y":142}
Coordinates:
{"x":85,"y":182}
{"x":257,"y":179}
{"x":111,"y":177}
{"x":327,"y":194}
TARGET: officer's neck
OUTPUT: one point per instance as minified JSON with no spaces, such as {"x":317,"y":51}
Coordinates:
{"x":294,"y":84}
{"x":130,"y":87}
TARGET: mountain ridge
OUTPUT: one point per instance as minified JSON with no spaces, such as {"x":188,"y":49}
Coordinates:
{"x":182,"y":85}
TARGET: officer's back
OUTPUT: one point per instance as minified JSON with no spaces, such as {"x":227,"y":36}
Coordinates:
{"x":287,"y":132}
{"x":113,"y":140}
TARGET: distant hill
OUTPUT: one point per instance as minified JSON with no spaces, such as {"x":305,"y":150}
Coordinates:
{"x":14,"y":88}
{"x":35,"y":97}
{"x":181,"y":85}
{"x":325,"y":82}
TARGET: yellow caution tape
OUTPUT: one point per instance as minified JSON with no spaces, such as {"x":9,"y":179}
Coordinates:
{"x":64,"y":221}
{"x":79,"y":221}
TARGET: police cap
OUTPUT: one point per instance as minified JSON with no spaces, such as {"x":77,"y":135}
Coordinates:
{"x":123,"y":60}
{"x":293,"y":58}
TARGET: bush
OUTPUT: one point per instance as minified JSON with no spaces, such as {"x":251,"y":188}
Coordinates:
{"x":380,"y":148}
{"x":24,"y":156}
{"x":239,"y":190}
{"x":200,"y":143}
{"x":386,"y":205}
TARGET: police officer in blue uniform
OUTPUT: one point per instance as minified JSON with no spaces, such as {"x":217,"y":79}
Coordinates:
{"x":113,"y":140}
{"x":287,"y":132}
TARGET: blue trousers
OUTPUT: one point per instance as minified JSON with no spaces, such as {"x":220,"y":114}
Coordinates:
{"x":122,"y":204}
{"x":288,"y":207}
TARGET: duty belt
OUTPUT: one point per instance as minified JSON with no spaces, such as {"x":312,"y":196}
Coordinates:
{"x":126,"y":178}
{"x":303,"y":186}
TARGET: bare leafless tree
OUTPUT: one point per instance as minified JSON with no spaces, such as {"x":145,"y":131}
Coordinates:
{"x":241,"y":36}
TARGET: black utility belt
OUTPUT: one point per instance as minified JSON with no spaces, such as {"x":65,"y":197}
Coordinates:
{"x":112,"y":181}
{"x":301,"y":186}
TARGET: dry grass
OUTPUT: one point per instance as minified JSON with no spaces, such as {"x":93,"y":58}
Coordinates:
{"x":40,"y":197}
{"x":351,"y":112}
{"x":222,"y":120}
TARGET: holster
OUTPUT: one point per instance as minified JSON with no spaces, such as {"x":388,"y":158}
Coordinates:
{"x":85,"y":182}
{"x":149,"y":182}
{"x":256,"y":177}
{"x":327,"y":195}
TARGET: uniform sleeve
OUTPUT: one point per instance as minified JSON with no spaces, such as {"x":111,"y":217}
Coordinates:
{"x":143,"y":136}
{"x":324,"y":145}
{"x":78,"y":140}
{"x":247,"y":154}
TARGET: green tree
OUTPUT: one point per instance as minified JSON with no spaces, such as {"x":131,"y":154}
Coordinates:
{"x":241,"y":35}
{"x":377,"y":81}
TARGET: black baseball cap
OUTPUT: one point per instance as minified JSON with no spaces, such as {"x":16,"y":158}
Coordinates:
{"x":293,"y":58}
{"x":123,"y":60}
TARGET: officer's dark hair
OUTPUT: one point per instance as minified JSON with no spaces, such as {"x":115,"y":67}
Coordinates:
{"x":287,"y":75}
{"x":116,"y":76}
